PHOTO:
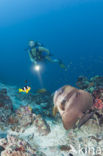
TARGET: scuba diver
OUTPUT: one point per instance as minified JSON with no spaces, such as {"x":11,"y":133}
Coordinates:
{"x":38,"y":53}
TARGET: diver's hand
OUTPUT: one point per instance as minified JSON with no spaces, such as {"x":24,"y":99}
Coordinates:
{"x":35,"y":62}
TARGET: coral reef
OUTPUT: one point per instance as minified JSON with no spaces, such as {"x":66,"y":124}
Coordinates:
{"x":82,"y":82}
{"x":41,"y":103}
{"x":21,"y":119}
{"x":5,"y":100}
{"x":6,"y":106}
{"x":90,"y":84}
{"x":14,"y":146}
{"x":24,"y":118}
{"x":27,"y":127}
{"x":41,"y":125}
{"x":95,"y":87}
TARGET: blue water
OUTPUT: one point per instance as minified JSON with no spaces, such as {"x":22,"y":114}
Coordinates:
{"x":71,"y":29}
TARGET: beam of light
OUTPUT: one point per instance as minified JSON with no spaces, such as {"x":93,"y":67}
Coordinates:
{"x":38,"y":68}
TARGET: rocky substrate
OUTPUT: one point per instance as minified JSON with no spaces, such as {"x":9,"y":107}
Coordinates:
{"x":27,"y":127}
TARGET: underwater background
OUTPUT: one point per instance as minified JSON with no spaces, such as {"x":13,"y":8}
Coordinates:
{"x":44,"y":122}
{"x":71,"y":29}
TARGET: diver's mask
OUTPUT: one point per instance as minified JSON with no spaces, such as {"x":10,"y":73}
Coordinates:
{"x":31,"y":44}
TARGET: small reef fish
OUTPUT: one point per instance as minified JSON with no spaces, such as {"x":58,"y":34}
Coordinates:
{"x":43,"y":90}
{"x":28,"y":108}
{"x":26,"y":89}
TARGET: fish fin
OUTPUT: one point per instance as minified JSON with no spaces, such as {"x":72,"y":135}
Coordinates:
{"x":55,"y":110}
{"x":27,"y":91}
{"x":85,"y":118}
{"x":81,"y":114}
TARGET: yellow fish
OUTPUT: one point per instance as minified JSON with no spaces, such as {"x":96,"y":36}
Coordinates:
{"x":26,"y":89}
{"x":43,"y":90}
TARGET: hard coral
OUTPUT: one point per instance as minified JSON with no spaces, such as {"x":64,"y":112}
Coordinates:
{"x":98,"y":98}
{"x":14,"y":146}
{"x":6,"y":106}
{"x":5,"y":100}
{"x":90,"y":84}
{"x":98,"y":81}
{"x":41,"y":125}
{"x":82,"y":82}
{"x":14,"y":153}
{"x":98,"y":93}
{"x":41,"y":103}
{"x":98,"y":104}
{"x":22,"y":118}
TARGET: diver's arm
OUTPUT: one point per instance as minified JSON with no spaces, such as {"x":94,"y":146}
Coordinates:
{"x":30,"y":55}
{"x":42,"y":49}
{"x":35,"y":62}
{"x":31,"y":58}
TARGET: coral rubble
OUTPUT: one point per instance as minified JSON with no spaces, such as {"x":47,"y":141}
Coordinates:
{"x":27,"y":127}
{"x":6,"y":106}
